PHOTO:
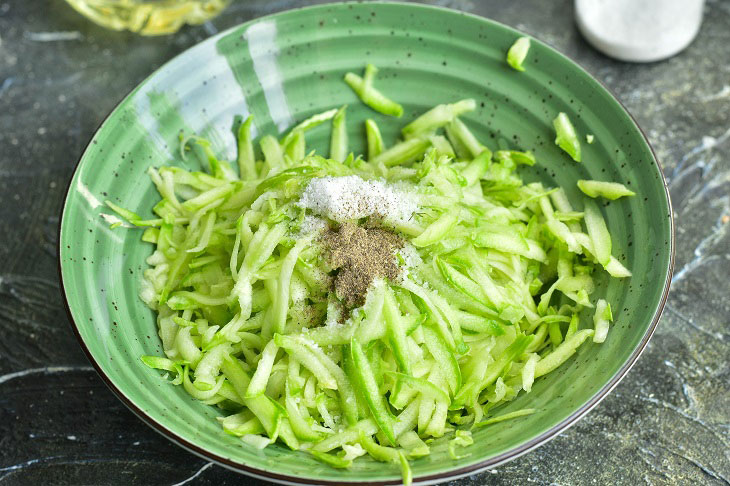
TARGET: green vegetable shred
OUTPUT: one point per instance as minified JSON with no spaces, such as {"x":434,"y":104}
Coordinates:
{"x":518,"y":52}
{"x":369,"y":95}
{"x":565,"y":136}
{"x":609,"y":190}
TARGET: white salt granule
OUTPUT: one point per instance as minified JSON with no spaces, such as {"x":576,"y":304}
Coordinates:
{"x":351,"y":197}
{"x":411,"y":257}
{"x":311,"y":224}
{"x":410,"y":260}
{"x":312,"y":344}
{"x":334,"y":314}
{"x":298,"y":293}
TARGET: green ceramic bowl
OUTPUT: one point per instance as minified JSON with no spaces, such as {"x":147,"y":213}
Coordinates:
{"x":288,"y":66}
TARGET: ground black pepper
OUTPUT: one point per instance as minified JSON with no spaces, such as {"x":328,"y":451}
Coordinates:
{"x":360,"y":255}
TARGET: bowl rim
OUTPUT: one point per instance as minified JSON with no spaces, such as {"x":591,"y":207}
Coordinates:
{"x":449,"y":474}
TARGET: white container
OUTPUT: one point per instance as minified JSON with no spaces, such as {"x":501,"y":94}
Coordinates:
{"x":639,"y":30}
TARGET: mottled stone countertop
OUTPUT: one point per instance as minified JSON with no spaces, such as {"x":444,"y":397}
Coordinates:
{"x":668,"y":422}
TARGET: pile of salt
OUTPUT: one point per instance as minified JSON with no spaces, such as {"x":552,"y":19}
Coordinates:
{"x":350,"y":197}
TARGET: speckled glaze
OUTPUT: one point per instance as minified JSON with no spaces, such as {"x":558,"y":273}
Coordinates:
{"x":288,"y":66}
